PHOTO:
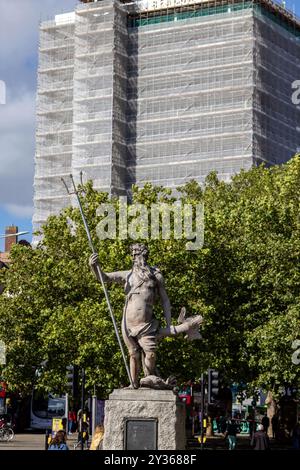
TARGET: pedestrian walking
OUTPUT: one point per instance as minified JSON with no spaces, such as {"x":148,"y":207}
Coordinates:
{"x":231,"y":433}
{"x":265,"y":422}
{"x":275,"y":426}
{"x":251,"y":424}
{"x":72,"y":421}
{"x":97,"y":441}
{"x":59,"y":441}
{"x":260,"y":440}
{"x":83,"y":431}
{"x":223,"y":424}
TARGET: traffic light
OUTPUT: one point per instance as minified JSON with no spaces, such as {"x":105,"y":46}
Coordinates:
{"x":213,"y":385}
{"x":72,"y":380}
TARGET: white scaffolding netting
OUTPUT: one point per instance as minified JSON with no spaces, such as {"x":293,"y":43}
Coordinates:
{"x":129,"y":94}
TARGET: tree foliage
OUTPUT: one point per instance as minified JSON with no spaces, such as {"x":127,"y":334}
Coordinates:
{"x":245,"y":281}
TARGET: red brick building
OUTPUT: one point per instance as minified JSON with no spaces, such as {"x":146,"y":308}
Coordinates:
{"x":11,"y":240}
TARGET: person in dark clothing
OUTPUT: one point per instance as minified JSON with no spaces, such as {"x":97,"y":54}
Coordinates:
{"x":223,"y":424}
{"x":296,"y":436}
{"x":275,"y":426}
{"x":266,"y":423}
{"x":231,"y":432}
{"x":252,"y":425}
{"x":260,"y":440}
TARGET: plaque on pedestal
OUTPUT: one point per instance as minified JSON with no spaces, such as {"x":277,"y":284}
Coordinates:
{"x":140,"y":434}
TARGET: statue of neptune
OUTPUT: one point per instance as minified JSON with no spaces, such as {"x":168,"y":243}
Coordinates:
{"x":144,"y":285}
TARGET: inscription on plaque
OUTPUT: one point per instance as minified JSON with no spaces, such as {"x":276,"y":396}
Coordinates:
{"x":141,"y":434}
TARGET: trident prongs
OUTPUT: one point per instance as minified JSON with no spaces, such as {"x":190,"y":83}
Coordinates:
{"x":73,"y":183}
{"x":81,"y":178}
{"x":76,"y":190}
{"x":66,"y":186}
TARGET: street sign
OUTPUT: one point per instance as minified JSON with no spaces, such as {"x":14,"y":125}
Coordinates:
{"x":57,"y":425}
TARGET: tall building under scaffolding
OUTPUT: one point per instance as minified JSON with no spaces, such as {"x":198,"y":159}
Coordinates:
{"x":163,"y":91}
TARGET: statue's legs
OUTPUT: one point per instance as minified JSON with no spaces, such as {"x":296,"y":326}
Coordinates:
{"x":135,"y":366}
{"x":141,"y":347}
{"x":148,"y":347}
{"x":149,"y":360}
{"x":134,"y":351}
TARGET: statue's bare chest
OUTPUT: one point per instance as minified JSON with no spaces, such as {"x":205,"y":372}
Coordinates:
{"x":135,"y":284}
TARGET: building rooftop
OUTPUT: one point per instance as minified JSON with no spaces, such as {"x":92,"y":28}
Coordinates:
{"x":275,"y":7}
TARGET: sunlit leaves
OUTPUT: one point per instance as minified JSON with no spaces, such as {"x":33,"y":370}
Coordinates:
{"x":245,"y":281}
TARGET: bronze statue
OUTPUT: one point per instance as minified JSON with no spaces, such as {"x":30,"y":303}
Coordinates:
{"x":140,"y":329}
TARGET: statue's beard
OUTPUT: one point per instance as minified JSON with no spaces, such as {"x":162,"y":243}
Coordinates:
{"x":141,"y":268}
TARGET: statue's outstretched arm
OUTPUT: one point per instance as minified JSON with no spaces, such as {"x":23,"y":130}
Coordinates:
{"x":189,"y":326}
{"x":118,"y":276}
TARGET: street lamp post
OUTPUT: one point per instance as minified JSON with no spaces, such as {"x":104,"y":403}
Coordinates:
{"x":94,"y":411}
{"x":202,"y":411}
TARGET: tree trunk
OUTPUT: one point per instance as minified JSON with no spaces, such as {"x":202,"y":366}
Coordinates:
{"x":271,"y":411}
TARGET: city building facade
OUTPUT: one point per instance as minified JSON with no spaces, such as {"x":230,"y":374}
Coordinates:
{"x":163,"y":91}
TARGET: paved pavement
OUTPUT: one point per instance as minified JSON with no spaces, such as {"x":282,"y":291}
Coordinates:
{"x":25,"y":442}
{"x":32,"y":441}
{"x":218,"y":442}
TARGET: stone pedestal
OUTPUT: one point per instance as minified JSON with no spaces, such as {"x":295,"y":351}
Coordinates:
{"x":144,"y":417}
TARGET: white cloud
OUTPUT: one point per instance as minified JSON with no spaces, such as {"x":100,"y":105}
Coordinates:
{"x":19,"y":29}
{"x":17,"y":150}
{"x":20,"y":211}
{"x":17,"y":135}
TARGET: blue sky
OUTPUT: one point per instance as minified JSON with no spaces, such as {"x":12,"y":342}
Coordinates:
{"x":19,"y":27}
{"x":19,"y":24}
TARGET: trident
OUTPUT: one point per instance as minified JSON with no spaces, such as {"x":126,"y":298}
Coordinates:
{"x":99,"y":272}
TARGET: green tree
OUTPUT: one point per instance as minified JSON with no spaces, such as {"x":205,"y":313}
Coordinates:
{"x":244,"y":281}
